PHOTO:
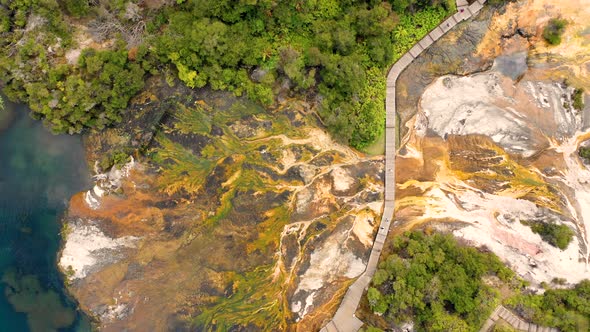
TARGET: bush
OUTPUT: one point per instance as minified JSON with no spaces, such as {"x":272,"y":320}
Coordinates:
{"x":503,"y":327}
{"x":553,"y":31}
{"x":115,"y":158}
{"x":555,"y":234}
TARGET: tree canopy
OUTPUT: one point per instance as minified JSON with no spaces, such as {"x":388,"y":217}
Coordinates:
{"x":69,"y":97}
{"x":339,"y":50}
{"x":436,"y":283}
{"x":566,"y":309}
{"x":335,"y":53}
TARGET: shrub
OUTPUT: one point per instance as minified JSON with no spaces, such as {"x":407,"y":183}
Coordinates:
{"x":77,"y":8}
{"x":553,"y":31}
{"x":503,"y":327}
{"x":584,"y":152}
{"x":555,"y":234}
{"x":578,"y":99}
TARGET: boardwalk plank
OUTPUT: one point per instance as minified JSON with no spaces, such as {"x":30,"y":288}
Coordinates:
{"x":416,"y":50}
{"x":426,"y":41}
{"x":475,"y":7}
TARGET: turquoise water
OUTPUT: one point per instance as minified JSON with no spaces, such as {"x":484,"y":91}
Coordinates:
{"x":39,"y":172}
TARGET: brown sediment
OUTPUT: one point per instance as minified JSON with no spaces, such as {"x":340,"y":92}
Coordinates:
{"x":549,"y":162}
{"x":322,"y":315}
{"x":422,"y":168}
{"x":131,"y":214}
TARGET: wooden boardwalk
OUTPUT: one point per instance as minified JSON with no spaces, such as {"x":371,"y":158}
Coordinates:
{"x":344,"y":320}
{"x":501,"y":313}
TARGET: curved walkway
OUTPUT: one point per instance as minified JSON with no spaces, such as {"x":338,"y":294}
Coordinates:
{"x":344,"y":320}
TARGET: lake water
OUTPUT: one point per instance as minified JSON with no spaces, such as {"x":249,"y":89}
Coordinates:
{"x":39,"y":172}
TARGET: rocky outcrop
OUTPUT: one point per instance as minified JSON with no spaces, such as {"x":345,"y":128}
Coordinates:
{"x":240,"y":218}
{"x":491,"y":153}
{"x":454,"y":53}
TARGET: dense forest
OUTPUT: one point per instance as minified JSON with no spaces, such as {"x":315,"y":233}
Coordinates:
{"x":436,"y":283}
{"x":77,"y":63}
{"x":441,"y":285}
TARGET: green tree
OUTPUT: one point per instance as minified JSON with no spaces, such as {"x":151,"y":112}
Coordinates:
{"x":401,"y":6}
{"x":376,"y":301}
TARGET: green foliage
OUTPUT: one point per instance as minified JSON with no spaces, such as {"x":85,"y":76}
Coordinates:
{"x":332,"y":51}
{"x":376,"y":301}
{"x":578,"y":99}
{"x":436,"y":283}
{"x":339,"y":50}
{"x":584,"y":152}
{"x":503,"y":327}
{"x":566,"y":309}
{"x":120,"y":158}
{"x":553,"y":31}
{"x":412,"y":28}
{"x":116,"y":158}
{"x":68,"y":97}
{"x":91,"y":95}
{"x":1,"y":104}
{"x":71,"y":98}
{"x":555,"y":234}
{"x":77,"y":8}
{"x":412,"y":6}
{"x":372,"y":329}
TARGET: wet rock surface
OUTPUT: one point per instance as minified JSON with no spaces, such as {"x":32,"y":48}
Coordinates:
{"x":245,"y":220}
{"x":492,"y":151}
{"x":454,"y":53}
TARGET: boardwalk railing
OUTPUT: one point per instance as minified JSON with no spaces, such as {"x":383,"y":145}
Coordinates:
{"x":344,"y":320}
